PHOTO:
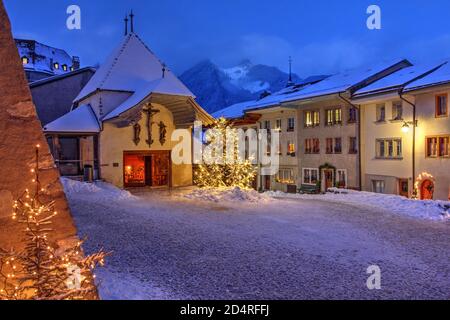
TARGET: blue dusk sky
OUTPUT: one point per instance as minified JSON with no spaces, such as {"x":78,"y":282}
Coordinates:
{"x":322,"y":36}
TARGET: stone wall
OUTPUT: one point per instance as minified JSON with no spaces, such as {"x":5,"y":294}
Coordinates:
{"x":20,"y":131}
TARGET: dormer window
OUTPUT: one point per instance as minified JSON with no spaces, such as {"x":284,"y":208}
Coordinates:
{"x":64,"y":67}
{"x":25,"y":60}
{"x":72,"y":68}
{"x":56,"y":65}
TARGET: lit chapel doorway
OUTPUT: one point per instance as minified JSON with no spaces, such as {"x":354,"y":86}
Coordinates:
{"x":147,"y":169}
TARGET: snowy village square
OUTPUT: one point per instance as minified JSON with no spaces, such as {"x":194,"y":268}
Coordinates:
{"x":176,"y":159}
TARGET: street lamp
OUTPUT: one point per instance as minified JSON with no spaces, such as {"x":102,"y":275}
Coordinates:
{"x":407,"y":125}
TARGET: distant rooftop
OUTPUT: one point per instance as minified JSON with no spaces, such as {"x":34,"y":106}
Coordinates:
{"x":40,"y":58}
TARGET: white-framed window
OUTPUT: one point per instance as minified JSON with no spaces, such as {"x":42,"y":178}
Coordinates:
{"x":341,"y":178}
{"x":310,"y":176}
{"x":378,"y":186}
{"x":390,"y":148}
{"x":266,"y":125}
{"x":285,"y":176}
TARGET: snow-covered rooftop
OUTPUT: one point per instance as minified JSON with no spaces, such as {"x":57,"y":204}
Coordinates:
{"x":131,"y":67}
{"x":343,"y":81}
{"x":42,"y":57}
{"x":167,"y":85}
{"x":399,"y":78}
{"x":235,"y":111}
{"x":80,"y":120}
{"x":440,"y":76}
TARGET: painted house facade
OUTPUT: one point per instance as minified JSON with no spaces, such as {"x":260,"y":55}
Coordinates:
{"x":123,"y":119}
{"x":383,"y":129}
{"x":406,"y":151}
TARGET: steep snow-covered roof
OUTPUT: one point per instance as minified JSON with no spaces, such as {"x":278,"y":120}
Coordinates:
{"x":399,"y":78}
{"x":130,"y":67}
{"x":235,"y":111}
{"x":438,"y":77}
{"x":80,"y":120}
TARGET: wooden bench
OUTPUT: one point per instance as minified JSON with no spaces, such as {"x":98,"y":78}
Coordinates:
{"x":309,"y":189}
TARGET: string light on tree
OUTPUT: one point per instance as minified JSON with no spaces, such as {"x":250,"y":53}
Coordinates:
{"x":224,"y":166}
{"x":40,"y":271}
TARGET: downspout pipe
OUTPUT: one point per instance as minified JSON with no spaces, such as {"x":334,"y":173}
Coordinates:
{"x":413,"y":105}
{"x":359,"y":138}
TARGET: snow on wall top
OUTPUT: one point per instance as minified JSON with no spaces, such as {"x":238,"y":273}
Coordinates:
{"x":80,"y":120}
{"x":130,"y":67}
{"x":399,"y":78}
{"x":439,"y":76}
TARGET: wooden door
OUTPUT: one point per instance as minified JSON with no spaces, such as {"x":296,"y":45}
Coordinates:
{"x":267,"y":184}
{"x":403,"y":188}
{"x":427,"y":190}
{"x":160,"y":169}
{"x":329,"y":179}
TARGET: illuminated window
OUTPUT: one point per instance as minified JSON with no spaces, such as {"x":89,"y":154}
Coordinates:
{"x":72,"y":68}
{"x":25,"y":60}
{"x":442,"y":105}
{"x":334,"y":116}
{"x":64,"y":67}
{"x":56,"y":65}
{"x":278,"y":125}
{"x":291,"y":149}
{"x":285,"y":176}
{"x":311,"y":119}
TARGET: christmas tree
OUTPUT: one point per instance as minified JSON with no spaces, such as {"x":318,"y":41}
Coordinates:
{"x":40,"y":271}
{"x":223,"y":164}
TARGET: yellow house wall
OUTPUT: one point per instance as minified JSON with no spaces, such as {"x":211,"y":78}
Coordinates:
{"x":429,"y":125}
{"x":114,"y":141}
{"x":385,"y":169}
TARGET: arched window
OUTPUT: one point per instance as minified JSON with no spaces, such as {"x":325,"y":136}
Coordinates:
{"x":56,"y":65}
{"x":25,"y":60}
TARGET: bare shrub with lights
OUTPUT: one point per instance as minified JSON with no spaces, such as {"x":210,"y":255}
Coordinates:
{"x":40,"y":271}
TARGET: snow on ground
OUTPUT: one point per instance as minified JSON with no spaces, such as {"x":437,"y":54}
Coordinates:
{"x":197,"y":244}
{"x":430,"y":210}
{"x":101,"y":190}
{"x":227,"y":194}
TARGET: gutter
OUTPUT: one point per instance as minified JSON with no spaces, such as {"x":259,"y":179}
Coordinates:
{"x":400,"y":93}
{"x":359,"y":137}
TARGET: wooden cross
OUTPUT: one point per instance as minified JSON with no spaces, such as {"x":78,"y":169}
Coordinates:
{"x":150,"y":112}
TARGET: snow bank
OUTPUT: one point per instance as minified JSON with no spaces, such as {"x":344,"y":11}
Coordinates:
{"x":429,"y":210}
{"x":101,"y":190}
{"x":227,"y":194}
